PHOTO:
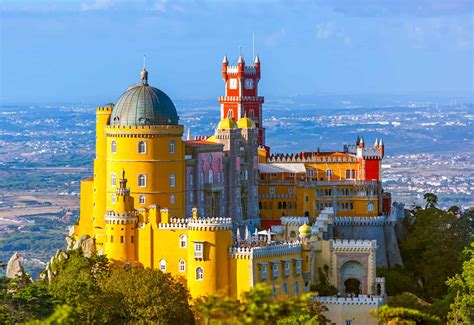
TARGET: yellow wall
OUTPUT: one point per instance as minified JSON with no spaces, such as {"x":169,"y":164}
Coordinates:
{"x":84,"y":225}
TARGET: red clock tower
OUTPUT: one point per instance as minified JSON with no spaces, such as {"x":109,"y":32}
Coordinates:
{"x":241,"y":93}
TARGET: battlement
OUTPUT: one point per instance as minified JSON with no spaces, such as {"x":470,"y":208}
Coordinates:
{"x":144,"y":130}
{"x":210,"y":224}
{"x":300,"y":157}
{"x":352,"y":245}
{"x":105,"y":109}
{"x":115,"y":218}
{"x":360,"y":300}
{"x":234,"y":69}
{"x":361,"y":221}
{"x":223,"y":99}
{"x":270,"y":250}
{"x":293,"y":220}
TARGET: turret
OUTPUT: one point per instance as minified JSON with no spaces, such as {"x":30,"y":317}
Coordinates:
{"x":224,"y":68}
{"x":256,"y":64}
{"x":381,"y":148}
{"x":376,"y":144}
{"x":361,"y":143}
{"x":241,"y":66}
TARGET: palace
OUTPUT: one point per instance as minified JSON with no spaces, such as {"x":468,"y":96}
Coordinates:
{"x":223,"y":211}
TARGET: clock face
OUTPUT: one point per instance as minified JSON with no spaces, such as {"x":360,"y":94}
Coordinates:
{"x":248,"y":83}
{"x":233,"y":83}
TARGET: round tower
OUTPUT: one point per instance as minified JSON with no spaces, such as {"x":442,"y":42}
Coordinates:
{"x":208,"y":262}
{"x":121,"y":227}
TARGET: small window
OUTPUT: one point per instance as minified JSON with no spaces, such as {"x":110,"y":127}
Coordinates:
{"x":142,"y":147}
{"x":183,"y":241}
{"x":298,"y":267}
{"x":141,"y":180}
{"x":218,"y":176}
{"x":163,"y":265}
{"x":306,"y":198}
{"x":113,"y":146}
{"x":310,"y":173}
{"x":230,"y":112}
{"x":329,"y":173}
{"x":172,"y":147}
{"x":199,"y":273}
{"x":114,"y":198}
{"x":264,"y":272}
{"x":211,"y":176}
{"x":275,"y":270}
{"x":191,"y":197}
{"x":142,"y":199}
{"x":172,"y":199}
{"x":131,"y":239}
{"x":370,"y":206}
{"x":113,"y":180}
{"x":172,"y":180}
{"x":287,"y":269}
{"x":297,"y":288}
{"x":349,"y":322}
{"x":285,"y":288}
{"x":191,"y":179}
{"x":291,"y":190}
{"x":111,"y":239}
{"x":182,"y":266}
{"x":122,"y":239}
{"x":198,"y":250}
{"x":274,"y":292}
{"x":272,"y":191}
{"x":201,"y":177}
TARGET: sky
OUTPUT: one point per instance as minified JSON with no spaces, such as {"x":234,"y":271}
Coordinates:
{"x":91,"y":51}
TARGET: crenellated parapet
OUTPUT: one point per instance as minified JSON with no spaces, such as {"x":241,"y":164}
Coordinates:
{"x":361,"y":221}
{"x":144,"y":131}
{"x":345,"y":245}
{"x":272,"y":250}
{"x":360,"y":300}
{"x":292,"y":158}
{"x":294,"y":221}
{"x":115,"y":218}
{"x":210,"y":224}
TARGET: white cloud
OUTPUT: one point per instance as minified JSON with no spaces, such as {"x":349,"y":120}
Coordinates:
{"x":275,"y":38}
{"x":324,"y":31}
{"x":96,"y":5}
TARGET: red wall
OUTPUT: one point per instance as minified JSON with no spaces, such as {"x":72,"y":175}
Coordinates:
{"x":372,"y":170}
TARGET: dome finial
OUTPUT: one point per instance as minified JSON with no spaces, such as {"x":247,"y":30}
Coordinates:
{"x":144,"y":73}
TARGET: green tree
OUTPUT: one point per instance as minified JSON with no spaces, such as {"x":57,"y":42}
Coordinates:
{"x":323,"y":287}
{"x":147,"y":295}
{"x":404,"y":316}
{"x":431,"y":200}
{"x":398,"y":280}
{"x":63,"y":315}
{"x":462,"y":308}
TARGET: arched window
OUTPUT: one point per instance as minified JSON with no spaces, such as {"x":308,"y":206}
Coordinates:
{"x":142,"y":199}
{"x":211,"y":176}
{"x":218,"y":176}
{"x":328,"y":173}
{"x":141,"y":180}
{"x":113,"y":146}
{"x":284,"y":205}
{"x":163,"y":265}
{"x":370,"y":206}
{"x":230,"y":113}
{"x":202,"y":177}
{"x":113,"y":180}
{"x":246,"y":174}
{"x":141,"y":147}
{"x":182,"y":266}
{"x":279,"y":205}
{"x":172,"y":199}
{"x":183,"y":241}
{"x":297,"y":288}
{"x":114,"y":199}
{"x":274,"y":292}
{"x":285,"y":288}
{"x":172,"y":180}
{"x":172,"y":146}
{"x":199,"y":273}
{"x":251,"y":113}
{"x":191,"y":179}
{"x":260,"y":205}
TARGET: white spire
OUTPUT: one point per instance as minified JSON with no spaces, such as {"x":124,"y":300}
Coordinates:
{"x":257,"y":59}
{"x":225,"y":59}
{"x":241,"y":59}
{"x":269,"y":235}
{"x":238,"y":234}
{"x":256,"y":234}
{"x":381,"y":142}
{"x":247,"y":233}
{"x":376,"y":144}
{"x":188,"y":137}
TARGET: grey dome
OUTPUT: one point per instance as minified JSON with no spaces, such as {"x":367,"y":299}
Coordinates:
{"x":143,"y":104}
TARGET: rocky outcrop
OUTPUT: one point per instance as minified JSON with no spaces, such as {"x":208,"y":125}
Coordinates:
{"x":15,"y":269}
{"x":86,"y":244}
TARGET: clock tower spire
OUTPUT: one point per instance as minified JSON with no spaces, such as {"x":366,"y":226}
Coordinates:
{"x":241,"y":93}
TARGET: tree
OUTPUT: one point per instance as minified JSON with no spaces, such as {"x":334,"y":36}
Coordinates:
{"x":323,"y":287}
{"x":431,"y":200}
{"x":404,"y":316}
{"x":147,"y":295}
{"x":462,"y":308}
{"x":398,"y":280}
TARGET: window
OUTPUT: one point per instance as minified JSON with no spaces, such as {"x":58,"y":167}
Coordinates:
{"x":211,"y":176}
{"x":287,"y":268}
{"x":114,"y":198}
{"x":275,"y":270}
{"x":370,"y":206}
{"x":141,"y":180}
{"x":272,"y":191}
{"x":172,"y":180}
{"x":264,"y":272}
{"x":113,"y":179}
{"x":350,"y":174}
{"x":306,"y":198}
{"x":142,"y":199}
{"x":131,"y":239}
{"x":285,"y":288}
{"x":122,"y":240}
{"x":172,"y":199}
{"x":297,"y":288}
{"x":290,"y":190}
{"x":274,"y":292}
{"x":298,"y":267}
{"x":183,"y":241}
{"x":349,"y":322}
{"x":198,"y":250}
{"x":328,"y":173}
{"x":163,"y":265}
{"x":191,"y":179}
{"x":310,"y":173}
{"x":182,"y":266}
{"x":191,"y":197}
{"x":141,"y":147}
{"x":230,"y":113}
{"x":111,"y":239}
{"x":113,"y":146}
{"x":251,"y":113}
{"x":202,"y":177}
{"x":199,"y":273}
{"x":172,"y":147}
{"x":218,"y":176}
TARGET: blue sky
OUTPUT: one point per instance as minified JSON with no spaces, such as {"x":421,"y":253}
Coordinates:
{"x":90,"y":51}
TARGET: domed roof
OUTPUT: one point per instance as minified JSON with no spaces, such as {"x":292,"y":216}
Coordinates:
{"x":246,"y":123}
{"x":305,"y":230}
{"x":143,"y":104}
{"x":227,"y":123}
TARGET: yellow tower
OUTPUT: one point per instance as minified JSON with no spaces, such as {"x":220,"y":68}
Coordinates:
{"x":305,"y":235}
{"x":121,"y":226}
{"x":208,"y":262}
